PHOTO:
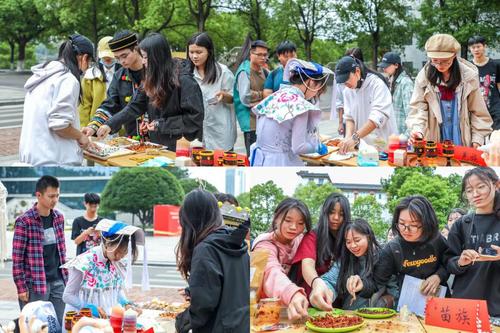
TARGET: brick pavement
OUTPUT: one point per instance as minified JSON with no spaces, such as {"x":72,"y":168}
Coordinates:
{"x":9,"y":141}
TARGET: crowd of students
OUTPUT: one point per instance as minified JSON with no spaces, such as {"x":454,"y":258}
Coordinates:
{"x":340,"y":263}
{"x":212,"y":258}
{"x":136,"y":88}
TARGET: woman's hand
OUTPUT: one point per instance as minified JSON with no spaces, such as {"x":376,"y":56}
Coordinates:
{"x":354,"y":285}
{"x":492,"y":157}
{"x":100,"y":324}
{"x":430,"y":285}
{"x":321,"y":296}
{"x":83,"y":141}
{"x":468,"y":257}
{"x":297,"y":309}
{"x":143,"y":127}
{"x":87,"y":131}
{"x":347,"y":145}
{"x":415,"y":135}
{"x":152,"y":126}
{"x":103,"y":132}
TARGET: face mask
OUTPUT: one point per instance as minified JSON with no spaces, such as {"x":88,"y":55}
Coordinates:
{"x":106,"y":65}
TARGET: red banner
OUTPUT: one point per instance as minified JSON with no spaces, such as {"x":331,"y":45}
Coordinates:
{"x":458,"y":314}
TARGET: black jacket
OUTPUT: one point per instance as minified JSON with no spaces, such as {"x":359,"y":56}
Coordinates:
{"x":182,"y":115}
{"x":219,"y":285}
{"x":119,"y":94}
{"x":417,"y":259}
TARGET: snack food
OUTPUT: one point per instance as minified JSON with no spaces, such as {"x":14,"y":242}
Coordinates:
{"x":375,"y":311}
{"x":168,"y":315}
{"x":333,"y":142}
{"x":120,"y":142}
{"x":333,"y":321}
{"x":153,"y":151}
{"x":268,"y":312}
{"x":142,"y":147}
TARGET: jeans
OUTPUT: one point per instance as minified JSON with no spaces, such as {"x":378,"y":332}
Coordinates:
{"x":55,"y":290}
{"x":250,"y":137}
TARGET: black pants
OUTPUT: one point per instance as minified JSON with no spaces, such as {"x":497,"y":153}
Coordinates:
{"x":250,"y":137}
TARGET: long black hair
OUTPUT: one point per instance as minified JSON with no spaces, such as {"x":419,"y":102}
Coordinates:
{"x":245,"y":51}
{"x":420,"y":209}
{"x":435,"y":77}
{"x":364,"y":73}
{"x":397,"y":73}
{"x":199,"y":216}
{"x":355,"y":52}
{"x":212,"y":68}
{"x":349,"y":263}
{"x":330,"y":246}
{"x":161,"y":75}
{"x":284,"y":207}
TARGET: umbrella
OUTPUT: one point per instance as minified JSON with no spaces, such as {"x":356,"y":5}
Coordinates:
{"x":3,"y":224}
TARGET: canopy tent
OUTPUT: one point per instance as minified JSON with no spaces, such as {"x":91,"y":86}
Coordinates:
{"x":3,"y":224}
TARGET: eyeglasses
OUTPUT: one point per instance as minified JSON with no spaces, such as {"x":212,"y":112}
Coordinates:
{"x":481,"y":189}
{"x":260,"y":55}
{"x":437,"y":62}
{"x":411,"y":228}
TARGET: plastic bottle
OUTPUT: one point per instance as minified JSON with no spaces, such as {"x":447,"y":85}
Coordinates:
{"x":404,"y":313}
{"x":130,"y":321}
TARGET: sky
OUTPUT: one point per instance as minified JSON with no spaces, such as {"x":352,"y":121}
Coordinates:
{"x":288,"y":180}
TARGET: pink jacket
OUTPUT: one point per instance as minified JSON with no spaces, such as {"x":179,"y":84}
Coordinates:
{"x":276,"y":282}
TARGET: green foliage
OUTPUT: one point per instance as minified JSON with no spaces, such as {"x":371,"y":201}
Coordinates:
{"x":392,"y":184}
{"x":189,"y":184}
{"x":263,"y":200}
{"x":244,"y":199}
{"x":137,"y":190}
{"x":313,"y":196}
{"x":441,"y":193}
{"x":462,"y":19}
{"x":366,"y":207}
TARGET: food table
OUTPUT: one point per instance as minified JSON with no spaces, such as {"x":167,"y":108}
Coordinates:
{"x":389,"y":325}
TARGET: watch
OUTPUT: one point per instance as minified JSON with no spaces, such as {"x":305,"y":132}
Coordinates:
{"x":356,"y":138}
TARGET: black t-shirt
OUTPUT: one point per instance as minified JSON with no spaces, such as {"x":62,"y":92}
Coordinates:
{"x":476,"y":281}
{"x":51,"y":258}
{"x":489,"y":77}
{"x":136,"y":75}
{"x":80,"y":224}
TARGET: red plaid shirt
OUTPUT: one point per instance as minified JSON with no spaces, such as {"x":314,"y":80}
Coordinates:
{"x":27,"y":251}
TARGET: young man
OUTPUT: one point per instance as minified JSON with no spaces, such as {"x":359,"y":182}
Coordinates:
{"x":124,"y":85}
{"x":489,"y":77}
{"x":249,"y":89}
{"x":83,"y":230}
{"x":38,"y":249}
{"x":285,"y":50}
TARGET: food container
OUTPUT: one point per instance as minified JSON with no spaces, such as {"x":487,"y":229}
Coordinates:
{"x":268,"y":312}
{"x":207,"y":158}
{"x":241,"y":162}
{"x":448,"y":151}
{"x":195,"y":154}
{"x":75,"y":319}
{"x":86,"y":312}
{"x":230,"y":158}
{"x":431,"y":153}
{"x":68,"y":320}
{"x":220,"y":161}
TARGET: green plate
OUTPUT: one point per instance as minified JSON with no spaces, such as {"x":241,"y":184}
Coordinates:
{"x":375,"y":316}
{"x":333,"y":330}
{"x":316,"y":312}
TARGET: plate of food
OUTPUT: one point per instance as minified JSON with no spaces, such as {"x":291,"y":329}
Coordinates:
{"x":316,"y":312}
{"x":375,"y":313}
{"x":334,"y":142}
{"x":103,"y":151}
{"x":330,"y":323}
{"x":145,"y":146}
{"x":316,"y":155}
{"x":121,"y":142}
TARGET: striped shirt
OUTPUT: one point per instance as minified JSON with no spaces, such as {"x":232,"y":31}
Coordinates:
{"x":27,"y":251}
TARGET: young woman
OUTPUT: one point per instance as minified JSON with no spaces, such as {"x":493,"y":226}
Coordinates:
{"x":97,"y":277}
{"x":171,"y":98}
{"x":215,"y":262}
{"x":447,"y":103}
{"x":95,"y":82}
{"x":319,"y":249}
{"x":216,"y":82}
{"x":401,"y":87}
{"x":367,"y":104}
{"x":453,"y":216}
{"x":287,"y":120}
{"x":417,"y":249}
{"x":51,"y":128}
{"x":291,"y":218}
{"x":474,"y":235}
{"x":351,"y":277}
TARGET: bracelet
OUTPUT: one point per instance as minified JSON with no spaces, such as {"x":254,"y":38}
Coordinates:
{"x":312,"y":282}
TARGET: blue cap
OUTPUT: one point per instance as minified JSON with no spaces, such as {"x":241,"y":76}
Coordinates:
{"x":390,"y":58}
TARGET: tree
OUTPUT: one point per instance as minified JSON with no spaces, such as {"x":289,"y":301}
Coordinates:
{"x":366,"y":207}
{"x":392,"y":184}
{"x":189,"y":184}
{"x":21,"y":22}
{"x":263,"y":200}
{"x":384,"y":21}
{"x":200,"y":10}
{"x":310,"y":18}
{"x":462,"y":19}
{"x":179,"y":173}
{"x":137,"y":190}
{"x":255,"y":12}
{"x":244,"y":199}
{"x":313,"y":196}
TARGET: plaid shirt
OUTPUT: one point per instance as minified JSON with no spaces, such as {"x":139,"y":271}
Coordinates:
{"x":27,"y":251}
{"x":401,"y":100}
